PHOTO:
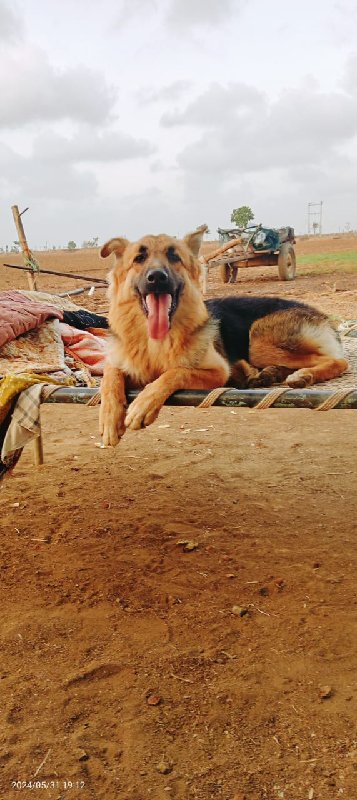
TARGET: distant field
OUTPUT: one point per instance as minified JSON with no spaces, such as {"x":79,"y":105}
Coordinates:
{"x":319,"y":259}
{"x":325,"y":262}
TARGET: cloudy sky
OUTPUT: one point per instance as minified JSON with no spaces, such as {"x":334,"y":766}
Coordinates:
{"x":131,"y":116}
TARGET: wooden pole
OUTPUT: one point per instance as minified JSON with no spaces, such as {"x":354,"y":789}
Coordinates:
{"x":101,"y":281}
{"x":232,"y":398}
{"x":38,"y":450}
{"x":204,"y":279}
{"x":28,"y":260}
{"x":222,"y":249}
{"x":28,"y":257}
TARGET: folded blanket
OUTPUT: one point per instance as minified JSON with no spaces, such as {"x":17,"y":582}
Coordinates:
{"x":18,"y":315}
{"x":39,"y":350}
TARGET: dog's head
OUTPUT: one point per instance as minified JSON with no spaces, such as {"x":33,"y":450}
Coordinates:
{"x":155,"y":272}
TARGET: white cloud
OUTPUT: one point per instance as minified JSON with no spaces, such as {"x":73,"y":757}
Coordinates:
{"x":29,"y":178}
{"x":185,"y":14}
{"x":181,"y":15}
{"x":88,"y":145}
{"x":286,"y":138}
{"x":58,"y":168}
{"x":301,"y":127}
{"x":32,"y":89}
{"x":218,"y":105}
{"x":11,"y":27}
{"x":131,"y":9}
{"x":349,"y":81}
{"x":165,"y":94}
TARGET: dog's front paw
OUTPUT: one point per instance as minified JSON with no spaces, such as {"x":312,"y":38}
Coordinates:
{"x":266,"y":377}
{"x":111,"y":423}
{"x":143,"y":410}
{"x":300,"y":379}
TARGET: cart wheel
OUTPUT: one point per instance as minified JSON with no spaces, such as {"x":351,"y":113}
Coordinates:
{"x":287,"y":262}
{"x":225,"y":273}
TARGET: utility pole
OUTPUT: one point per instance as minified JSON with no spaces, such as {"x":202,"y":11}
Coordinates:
{"x":314,"y":217}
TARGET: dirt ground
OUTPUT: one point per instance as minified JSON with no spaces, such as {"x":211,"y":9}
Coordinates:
{"x":133,"y":669}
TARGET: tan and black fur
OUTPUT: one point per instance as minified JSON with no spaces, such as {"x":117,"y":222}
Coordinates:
{"x":232,"y":341}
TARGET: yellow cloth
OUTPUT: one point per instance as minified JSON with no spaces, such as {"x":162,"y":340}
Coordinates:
{"x":12,"y":385}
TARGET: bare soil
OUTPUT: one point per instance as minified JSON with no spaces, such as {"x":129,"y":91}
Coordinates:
{"x":133,"y":669}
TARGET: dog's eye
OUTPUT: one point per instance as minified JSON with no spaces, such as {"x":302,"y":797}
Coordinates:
{"x":141,"y":256}
{"x":172,"y":256}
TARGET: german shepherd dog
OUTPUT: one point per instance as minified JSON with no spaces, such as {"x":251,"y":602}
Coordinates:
{"x":165,"y":337}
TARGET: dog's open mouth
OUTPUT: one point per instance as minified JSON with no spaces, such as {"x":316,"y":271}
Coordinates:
{"x":159,"y":309}
{"x":159,"y":290}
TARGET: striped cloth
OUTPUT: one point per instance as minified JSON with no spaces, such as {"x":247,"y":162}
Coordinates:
{"x":25,"y":421}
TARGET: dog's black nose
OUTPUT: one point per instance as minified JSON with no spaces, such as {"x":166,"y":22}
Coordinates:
{"x":157,"y":278}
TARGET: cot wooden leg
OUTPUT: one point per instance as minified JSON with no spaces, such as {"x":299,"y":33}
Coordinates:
{"x":38,"y":450}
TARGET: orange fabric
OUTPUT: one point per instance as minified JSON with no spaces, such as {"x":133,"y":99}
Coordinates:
{"x":83,"y":344}
{"x":103,"y":332}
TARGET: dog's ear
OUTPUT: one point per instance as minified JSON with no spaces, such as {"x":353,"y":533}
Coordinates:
{"x":116,"y":246}
{"x":194,"y":240}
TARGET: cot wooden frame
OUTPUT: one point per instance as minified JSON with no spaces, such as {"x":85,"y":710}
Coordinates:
{"x":232,"y":398}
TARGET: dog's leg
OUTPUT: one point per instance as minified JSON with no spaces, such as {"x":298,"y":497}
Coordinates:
{"x":241,"y":373}
{"x":113,"y":405}
{"x":302,"y":369}
{"x":145,"y":408}
{"x":324,"y":370}
{"x":247,"y":369}
{"x":307,"y":347}
{"x":244,"y":375}
{"x":268,"y":376}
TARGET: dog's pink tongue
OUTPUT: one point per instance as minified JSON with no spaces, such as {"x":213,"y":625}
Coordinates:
{"x":158,"y":318}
